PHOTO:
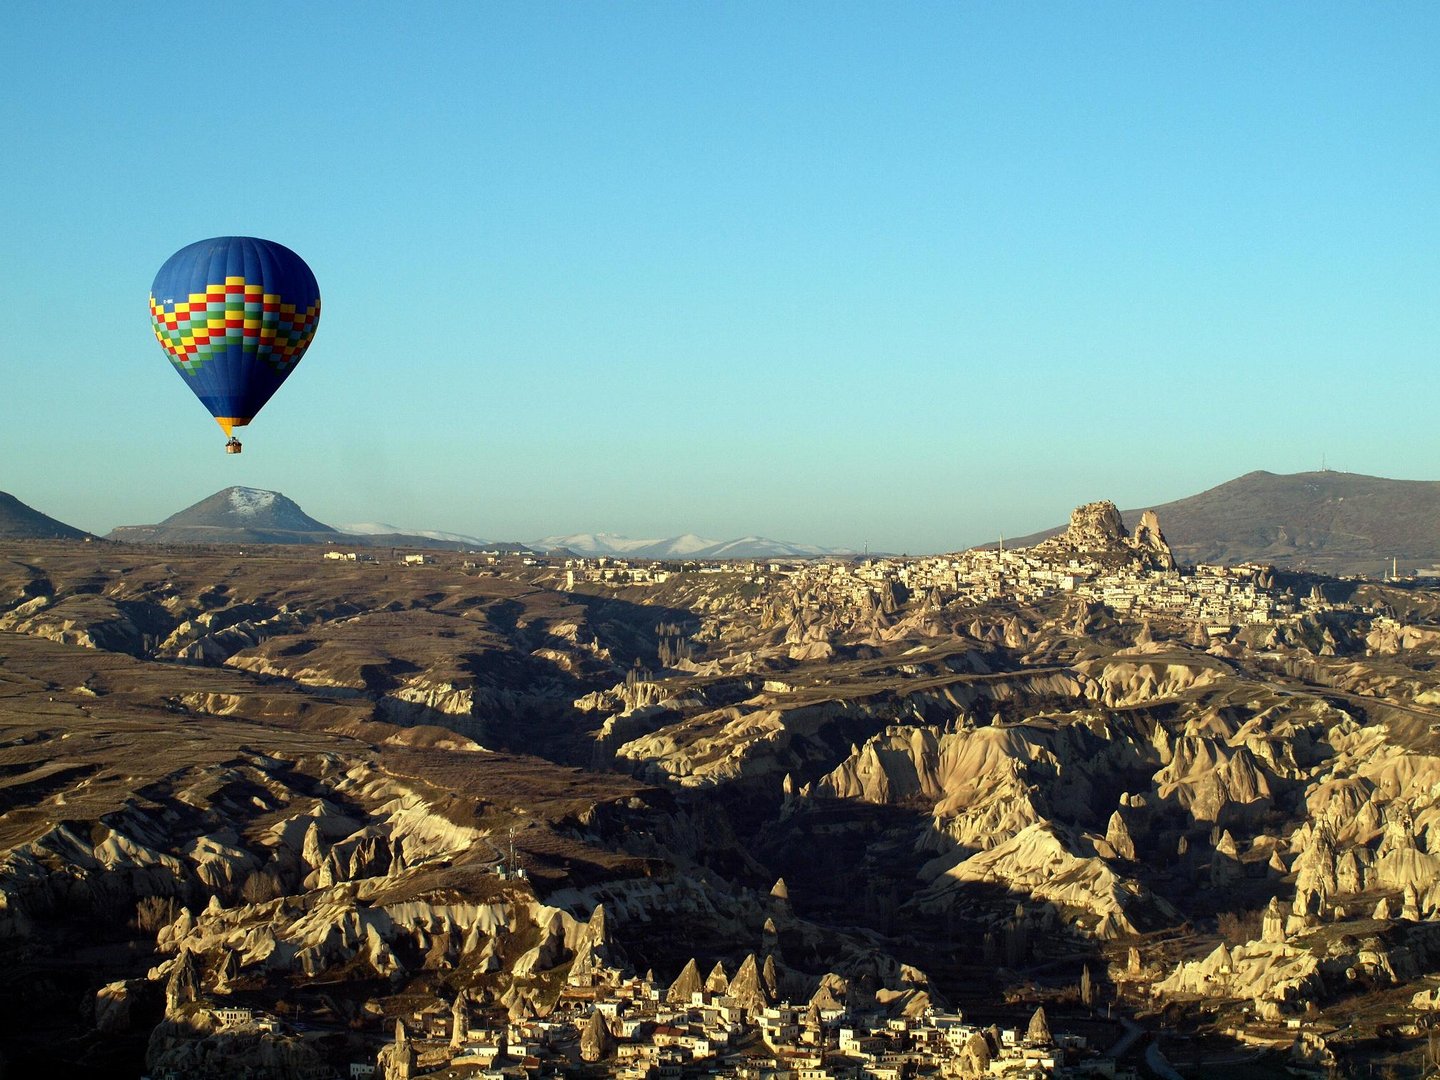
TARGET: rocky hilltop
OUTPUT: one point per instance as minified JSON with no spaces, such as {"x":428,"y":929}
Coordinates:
{"x":1097,"y":533}
{"x":235,"y":515}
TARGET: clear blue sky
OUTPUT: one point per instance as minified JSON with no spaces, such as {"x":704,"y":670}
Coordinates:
{"x":910,"y":274}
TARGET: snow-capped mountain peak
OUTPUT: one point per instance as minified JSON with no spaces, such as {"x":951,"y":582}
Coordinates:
{"x":247,"y":509}
{"x":384,"y":528}
{"x":247,"y":501}
{"x":687,"y":546}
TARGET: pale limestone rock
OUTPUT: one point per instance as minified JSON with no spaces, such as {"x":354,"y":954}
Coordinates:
{"x":198,"y":1045}
{"x":169,"y":938}
{"x":1117,"y":835}
{"x":1410,"y":903}
{"x":831,"y":993}
{"x":1041,"y":861}
{"x":1149,"y":538}
{"x":596,"y":1041}
{"x":975,"y":1058}
{"x":489,"y":959}
{"x":1038,"y":1032}
{"x":460,"y":1020}
{"x":1097,"y":531}
{"x":1304,"y":913}
{"x":686,"y":984}
{"x":908,"y":1001}
{"x":183,"y":986}
{"x":1426,"y":1000}
{"x":1273,"y":922}
{"x":547,"y":954}
{"x":314,"y":849}
{"x":1221,"y":959}
{"x":747,"y":988}
{"x":1112,"y":926}
{"x":594,"y":953}
{"x":1312,"y":1051}
{"x":769,"y":936}
{"x":1275,"y":976}
{"x":378,"y":952}
{"x":228,"y":972}
{"x":717,"y":981}
{"x":396,"y":1061}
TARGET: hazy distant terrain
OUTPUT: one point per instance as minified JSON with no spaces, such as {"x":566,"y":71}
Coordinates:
{"x":241,"y":515}
{"x":1327,"y":521}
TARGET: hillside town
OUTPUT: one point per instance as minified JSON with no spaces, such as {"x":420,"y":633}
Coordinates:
{"x":634,"y":1029}
{"x":606,"y":1022}
{"x":1096,"y":560}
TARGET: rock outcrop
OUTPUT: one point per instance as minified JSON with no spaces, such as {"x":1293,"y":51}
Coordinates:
{"x":596,"y":1040}
{"x":397,"y":1060}
{"x":1097,"y":533}
{"x":686,"y":985}
{"x":1037,"y":1033}
{"x":748,"y":990}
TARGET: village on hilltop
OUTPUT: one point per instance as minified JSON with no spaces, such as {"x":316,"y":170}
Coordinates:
{"x":1095,"y":560}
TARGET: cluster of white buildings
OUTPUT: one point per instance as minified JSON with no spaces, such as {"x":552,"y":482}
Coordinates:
{"x":1213,"y":595}
{"x":1219,"y":596}
{"x":653,"y":1037}
{"x":613,"y":572}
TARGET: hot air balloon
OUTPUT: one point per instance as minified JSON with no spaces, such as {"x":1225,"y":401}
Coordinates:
{"x":234,"y":314}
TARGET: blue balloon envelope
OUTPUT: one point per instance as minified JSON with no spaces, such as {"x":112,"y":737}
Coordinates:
{"x":234,"y":315}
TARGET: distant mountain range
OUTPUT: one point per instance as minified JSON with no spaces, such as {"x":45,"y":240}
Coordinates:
{"x":688,"y":546}
{"x":241,"y":515}
{"x":1333,"y":522}
{"x":20,"y":522}
{"x":380,"y":530}
{"x":1327,"y":521}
